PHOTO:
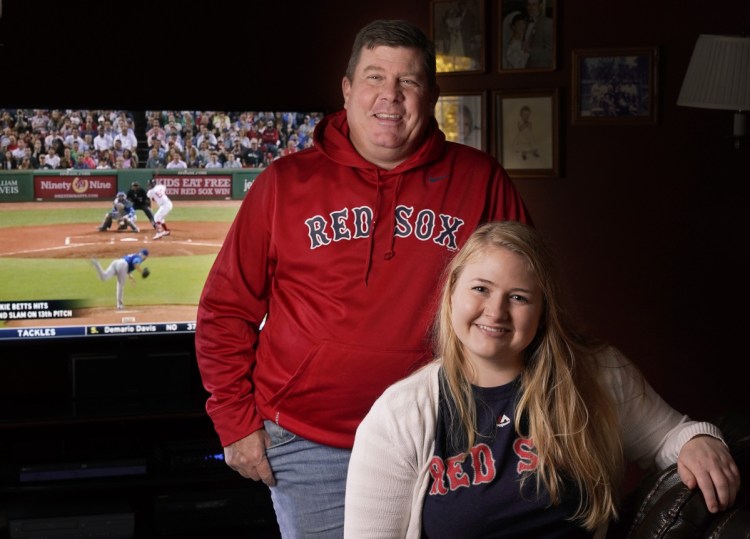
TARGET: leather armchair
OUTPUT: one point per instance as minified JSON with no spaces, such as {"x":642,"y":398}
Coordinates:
{"x":662,"y":507}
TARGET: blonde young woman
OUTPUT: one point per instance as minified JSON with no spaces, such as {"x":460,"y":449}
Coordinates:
{"x":521,"y":428}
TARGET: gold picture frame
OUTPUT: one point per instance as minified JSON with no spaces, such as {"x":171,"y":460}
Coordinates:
{"x":461,"y":117}
{"x":458,"y":32}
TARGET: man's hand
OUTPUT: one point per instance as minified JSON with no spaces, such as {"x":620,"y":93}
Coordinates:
{"x":248,"y":457}
{"x":705,"y":462}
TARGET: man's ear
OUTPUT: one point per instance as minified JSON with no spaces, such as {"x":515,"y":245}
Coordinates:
{"x":346,"y":87}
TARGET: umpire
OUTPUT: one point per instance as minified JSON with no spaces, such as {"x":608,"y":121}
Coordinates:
{"x":137,"y":195}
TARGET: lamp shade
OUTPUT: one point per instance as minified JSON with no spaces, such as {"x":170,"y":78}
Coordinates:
{"x":718,"y":76}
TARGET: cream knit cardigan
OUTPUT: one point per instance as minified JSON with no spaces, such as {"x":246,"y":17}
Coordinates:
{"x":388,"y":471}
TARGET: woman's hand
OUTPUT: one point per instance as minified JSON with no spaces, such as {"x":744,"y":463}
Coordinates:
{"x":705,"y":462}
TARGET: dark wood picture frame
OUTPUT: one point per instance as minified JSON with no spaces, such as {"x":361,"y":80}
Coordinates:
{"x":526,"y":133}
{"x":458,"y":31}
{"x":461,"y":116}
{"x":615,"y":86}
{"x":527,"y":36}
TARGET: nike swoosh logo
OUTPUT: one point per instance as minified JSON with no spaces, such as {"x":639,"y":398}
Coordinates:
{"x":434,"y":179}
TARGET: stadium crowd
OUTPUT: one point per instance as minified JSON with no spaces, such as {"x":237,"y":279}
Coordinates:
{"x":113,"y":139}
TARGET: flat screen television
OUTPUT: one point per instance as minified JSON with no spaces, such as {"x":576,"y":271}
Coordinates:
{"x":50,"y":218}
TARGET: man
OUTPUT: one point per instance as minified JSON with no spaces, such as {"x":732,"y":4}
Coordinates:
{"x":270,"y":138}
{"x":539,"y":36}
{"x":158,"y":193}
{"x":155,"y":160}
{"x":336,"y":252}
{"x":156,"y":132}
{"x":176,"y":160}
{"x":43,"y":161}
{"x":75,"y":136}
{"x":121,"y":268}
{"x":253,"y":157}
{"x":139,"y":198}
{"x":53,"y":159}
{"x":122,"y":213}
{"x":127,"y":138}
{"x":102,"y":141}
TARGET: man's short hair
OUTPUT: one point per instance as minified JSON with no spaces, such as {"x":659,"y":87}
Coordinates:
{"x":393,"y":33}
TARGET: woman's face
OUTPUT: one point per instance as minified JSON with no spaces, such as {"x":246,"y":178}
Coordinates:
{"x":497,"y":306}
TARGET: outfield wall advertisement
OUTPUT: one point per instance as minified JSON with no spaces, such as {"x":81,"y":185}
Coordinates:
{"x":16,"y":187}
{"x":73,"y":185}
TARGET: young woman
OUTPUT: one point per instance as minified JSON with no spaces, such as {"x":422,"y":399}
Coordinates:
{"x":521,"y":427}
{"x":129,"y":159}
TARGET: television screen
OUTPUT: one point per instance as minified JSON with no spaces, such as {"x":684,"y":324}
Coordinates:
{"x":64,"y":234}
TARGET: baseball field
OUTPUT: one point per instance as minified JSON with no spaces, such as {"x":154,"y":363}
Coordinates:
{"x":46,"y":250}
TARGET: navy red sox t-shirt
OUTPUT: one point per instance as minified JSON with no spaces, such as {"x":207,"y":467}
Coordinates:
{"x":480,"y":496}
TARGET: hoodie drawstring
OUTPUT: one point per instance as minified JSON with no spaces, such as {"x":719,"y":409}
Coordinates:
{"x":371,"y":239}
{"x":390,"y":252}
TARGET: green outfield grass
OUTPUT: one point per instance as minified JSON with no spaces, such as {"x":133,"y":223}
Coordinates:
{"x":52,"y":215}
{"x":174,"y":280}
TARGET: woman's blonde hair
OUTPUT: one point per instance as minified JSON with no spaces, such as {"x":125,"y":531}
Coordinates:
{"x":571,"y":418}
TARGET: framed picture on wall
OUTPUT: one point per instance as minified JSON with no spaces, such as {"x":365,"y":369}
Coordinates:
{"x":458,"y":33}
{"x":614,"y":86}
{"x":527,"y":35}
{"x":526,"y":132}
{"x":461,"y":117}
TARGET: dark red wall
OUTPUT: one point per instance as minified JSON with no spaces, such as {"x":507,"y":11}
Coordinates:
{"x":648,"y":220}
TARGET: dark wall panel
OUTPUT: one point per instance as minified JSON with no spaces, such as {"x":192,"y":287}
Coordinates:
{"x":649,"y":220}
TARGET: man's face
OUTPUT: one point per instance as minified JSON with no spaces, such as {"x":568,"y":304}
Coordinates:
{"x":389,"y":104}
{"x":533,"y":8}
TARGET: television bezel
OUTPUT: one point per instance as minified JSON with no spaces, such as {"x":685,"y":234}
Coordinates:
{"x":65,"y":343}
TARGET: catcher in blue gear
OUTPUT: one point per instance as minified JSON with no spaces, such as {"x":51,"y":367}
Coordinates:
{"x":122,"y":212}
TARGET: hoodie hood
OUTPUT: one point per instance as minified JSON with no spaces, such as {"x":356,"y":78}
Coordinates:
{"x":331,"y":136}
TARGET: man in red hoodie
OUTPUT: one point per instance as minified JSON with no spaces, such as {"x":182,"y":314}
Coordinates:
{"x":336,"y":252}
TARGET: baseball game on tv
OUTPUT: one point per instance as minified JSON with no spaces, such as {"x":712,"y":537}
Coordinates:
{"x":111,"y":219}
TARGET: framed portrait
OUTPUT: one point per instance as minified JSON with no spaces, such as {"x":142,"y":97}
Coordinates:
{"x":614,"y":86}
{"x":526,"y":133}
{"x":461,"y":117}
{"x":458,"y":33}
{"x":527,"y":35}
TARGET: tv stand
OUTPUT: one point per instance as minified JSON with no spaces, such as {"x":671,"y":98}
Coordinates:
{"x":118,"y":445}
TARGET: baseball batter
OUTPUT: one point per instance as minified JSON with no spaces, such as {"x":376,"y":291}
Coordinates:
{"x":122,"y":268}
{"x":158,"y":193}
